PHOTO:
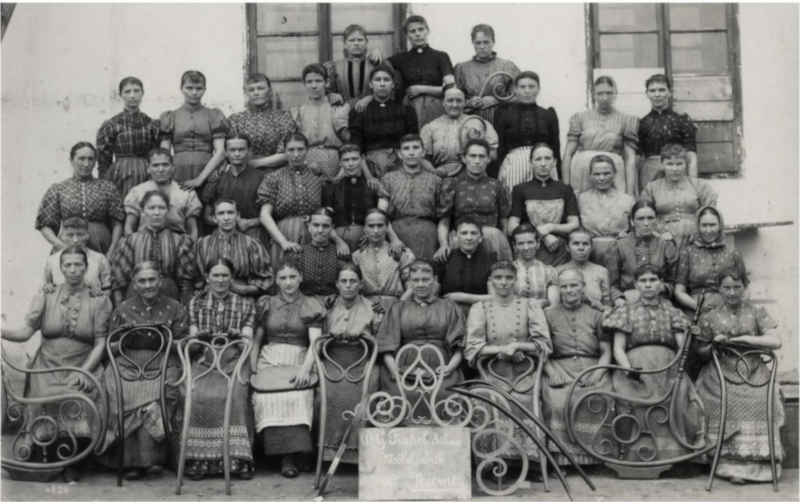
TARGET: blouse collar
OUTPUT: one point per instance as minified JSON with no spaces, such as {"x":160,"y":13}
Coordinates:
{"x":431,"y":300}
{"x":192,"y":108}
{"x":479,"y":60}
{"x":643,"y":240}
{"x":226,"y":237}
{"x":420,"y":50}
{"x":83,"y":180}
{"x":283,"y":301}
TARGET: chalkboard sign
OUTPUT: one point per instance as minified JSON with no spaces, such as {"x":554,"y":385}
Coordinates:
{"x":414,"y":463}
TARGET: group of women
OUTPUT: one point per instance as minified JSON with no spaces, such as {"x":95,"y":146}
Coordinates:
{"x":393,"y":204}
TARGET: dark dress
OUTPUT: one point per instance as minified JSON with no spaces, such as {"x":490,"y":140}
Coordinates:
{"x":377,"y":131}
{"x":242,"y":188}
{"x":657,"y":129}
{"x":350,"y":199}
{"x":519,"y":129}
{"x":425,"y":66}
{"x":465,"y":273}
{"x":320,"y":268}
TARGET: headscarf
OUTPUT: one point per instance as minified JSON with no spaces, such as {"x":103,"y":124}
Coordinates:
{"x":697,"y":239}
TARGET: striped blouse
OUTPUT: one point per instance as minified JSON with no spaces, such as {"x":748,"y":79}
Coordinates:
{"x":249,"y":257}
{"x":172,"y":253}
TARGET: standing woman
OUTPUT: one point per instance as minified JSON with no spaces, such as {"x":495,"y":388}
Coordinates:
{"x":605,"y":210}
{"x":423,"y":70}
{"x":124,"y":141}
{"x":522,"y":126}
{"x":472,"y":75}
{"x":603,"y":130}
{"x":348,"y":80}
{"x":96,"y":201}
{"x":291,"y":322}
{"x":195,"y":133}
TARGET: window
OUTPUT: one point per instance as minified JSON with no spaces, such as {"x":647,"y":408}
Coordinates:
{"x":284,"y":37}
{"x":697,"y":46}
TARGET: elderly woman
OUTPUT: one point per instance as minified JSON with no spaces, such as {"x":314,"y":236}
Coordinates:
{"x":596,"y":281}
{"x":172,"y":253}
{"x":146,"y":450}
{"x":677,"y":197}
{"x":124,"y":140}
{"x":603,"y":130}
{"x":423,"y":70}
{"x":96,"y":201}
{"x":291,"y":322}
{"x":74,"y":326}
{"x":443,"y":137}
{"x":640,"y":247}
{"x":472,"y":75}
{"x":220,"y":314}
{"x":520,"y":128}
{"x":605,"y":210}
{"x":348,"y":80}
{"x":318,"y":260}
{"x":504,"y":330}
{"x":745,"y":457}
{"x":534,"y":279}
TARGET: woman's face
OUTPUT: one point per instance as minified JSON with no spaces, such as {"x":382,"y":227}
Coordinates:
{"x":73,"y":266}
{"x":454,"y":102}
{"x":732,"y":290}
{"x":161,"y":169}
{"x":422,"y":284}
{"x":417,"y":34}
{"x":296,"y":151}
{"x":602,"y":176}
{"x":193,"y":92}
{"x":289,"y":280}
{"x":484,"y":45}
{"x":644,"y":222}
{"x":605,"y":95}
{"x":219,"y":280}
{"x":649,"y":286}
{"x":527,"y":90}
{"x":570,"y":288}
{"x":543,"y":161}
{"x":476,"y":159}
{"x":146,"y":283}
{"x":526,"y":246}
{"x":258,"y":93}
{"x":658,"y":93}
{"x":356,"y":44}
{"x":375,"y":228}
{"x":320,"y":227}
{"x":155,"y":211}
{"x":674,"y":168}
{"x":83,"y":162}
{"x":709,"y":228}
{"x":351,"y":163}
{"x":131,"y":96}
{"x":237,"y":150}
{"x":382,"y":85}
{"x":580,"y":247}
{"x":225,"y":216}
{"x":315,"y":85}
{"x":469,"y":237}
{"x":348,"y":284}
{"x":503,"y":282}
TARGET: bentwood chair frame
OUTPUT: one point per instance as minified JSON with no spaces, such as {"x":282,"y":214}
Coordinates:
{"x":217,"y":347}
{"x":320,"y":349}
{"x":118,"y":336}
{"x":71,"y":407}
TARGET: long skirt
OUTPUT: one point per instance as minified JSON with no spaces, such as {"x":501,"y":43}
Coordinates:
{"x":428,"y":108}
{"x":276,"y":411}
{"x":494,"y":241}
{"x":127,"y":172}
{"x":327,"y":159}
{"x":592,"y":416}
{"x":260,"y":234}
{"x":516,"y":168}
{"x":168,"y":288}
{"x":204,"y":447}
{"x":352,"y":235}
{"x":649,"y":169}
{"x":383,"y":161}
{"x":690,"y":416}
{"x":600,"y":248}
{"x":681,"y":228}
{"x":189,"y":164}
{"x":294,"y":229}
{"x":580,"y":178}
{"x":745,"y":455}
{"x":344,"y":396}
{"x":419,"y":235}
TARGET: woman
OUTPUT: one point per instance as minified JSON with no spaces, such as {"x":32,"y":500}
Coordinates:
{"x":351,"y":317}
{"x":172,"y":253}
{"x":677,"y":197}
{"x":348,"y":82}
{"x":96,"y":201}
{"x":124,"y":141}
{"x":522,"y":126}
{"x":505,"y":329}
{"x":603,"y":130}
{"x":146,"y":450}
{"x":318,"y":261}
{"x":640,"y":247}
{"x":224,"y":314}
{"x":74,"y":326}
{"x":443,"y":136}
{"x":195,"y":133}
{"x":745,"y":457}
{"x":605,"y":210}
{"x":472,"y":75}
{"x":423,"y":70}
{"x":597,"y":284}
{"x":324,"y":125}
{"x":422,"y":319}
{"x":534,"y":279}
{"x":647,"y":335}
{"x":547,"y":204}
{"x":291,"y":322}
{"x":701,"y":261}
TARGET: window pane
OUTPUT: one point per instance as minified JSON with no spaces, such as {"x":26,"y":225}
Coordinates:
{"x":282,"y":57}
{"x":287,"y":17}
{"x":629,"y":51}
{"x":699,"y":53}
{"x":383,"y":42}
{"x":697,"y":16}
{"x":627,"y":17}
{"x":373,"y":17}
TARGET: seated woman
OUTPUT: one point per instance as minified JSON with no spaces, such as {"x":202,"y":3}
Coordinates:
{"x":172,"y":253}
{"x":318,"y":261}
{"x":385,"y":278}
{"x":647,"y":335}
{"x":744,"y":457}
{"x":146,"y":450}
{"x":98,"y":271}
{"x":221,"y":313}
{"x":534,"y":279}
{"x":351,"y":316}
{"x":74,"y":326}
{"x":677,"y":197}
{"x":291,"y":321}
{"x":506,"y":328}
{"x":185,"y":207}
{"x":640,"y":247}
{"x":579,"y":342}
{"x":596,"y":282}
{"x":422,"y":319}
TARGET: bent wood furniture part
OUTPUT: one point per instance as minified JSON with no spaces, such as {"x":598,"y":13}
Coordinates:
{"x":71,"y":407}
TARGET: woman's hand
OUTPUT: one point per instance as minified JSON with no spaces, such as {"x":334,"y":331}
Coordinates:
{"x":619,"y":302}
{"x":414,"y":91}
{"x":666,"y":236}
{"x":518,"y":358}
{"x":396,"y":248}
{"x":488,"y":102}
{"x":378,"y":307}
{"x":376,"y":56}
{"x":554,"y":377}
{"x":245,"y":225}
{"x":441,"y":172}
{"x":81,"y":382}
{"x":551,"y":242}
{"x":291,"y":247}
{"x":720,"y":340}
{"x":455,"y":297}
{"x":472,"y":103}
{"x":374,"y":184}
{"x":302,"y":378}
{"x":545,"y":229}
{"x":593,"y":378}
{"x":214,"y":176}
{"x":315,"y":169}
{"x":342,"y":250}
{"x":190,"y":185}
{"x":363,"y":103}
{"x":694,"y":330}
{"x":49,"y":289}
{"x":338,"y":178}
{"x":335,"y":98}
{"x":95,"y":292}
{"x":442,"y":254}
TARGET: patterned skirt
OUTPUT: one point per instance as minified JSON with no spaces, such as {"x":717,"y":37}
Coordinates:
{"x":127,"y":172}
{"x":419,"y":235}
{"x":383,"y":161}
{"x":580,"y":177}
{"x":516,"y":168}
{"x":327,"y":159}
{"x":189,"y":165}
{"x":294,"y":229}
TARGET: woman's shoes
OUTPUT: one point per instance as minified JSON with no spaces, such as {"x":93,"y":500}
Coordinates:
{"x":305,"y":463}
{"x":132,"y":474}
{"x":246,"y":475}
{"x":737,"y":481}
{"x":72,"y":474}
{"x":198,"y":477}
{"x":288,"y":469}
{"x":155,"y":470}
